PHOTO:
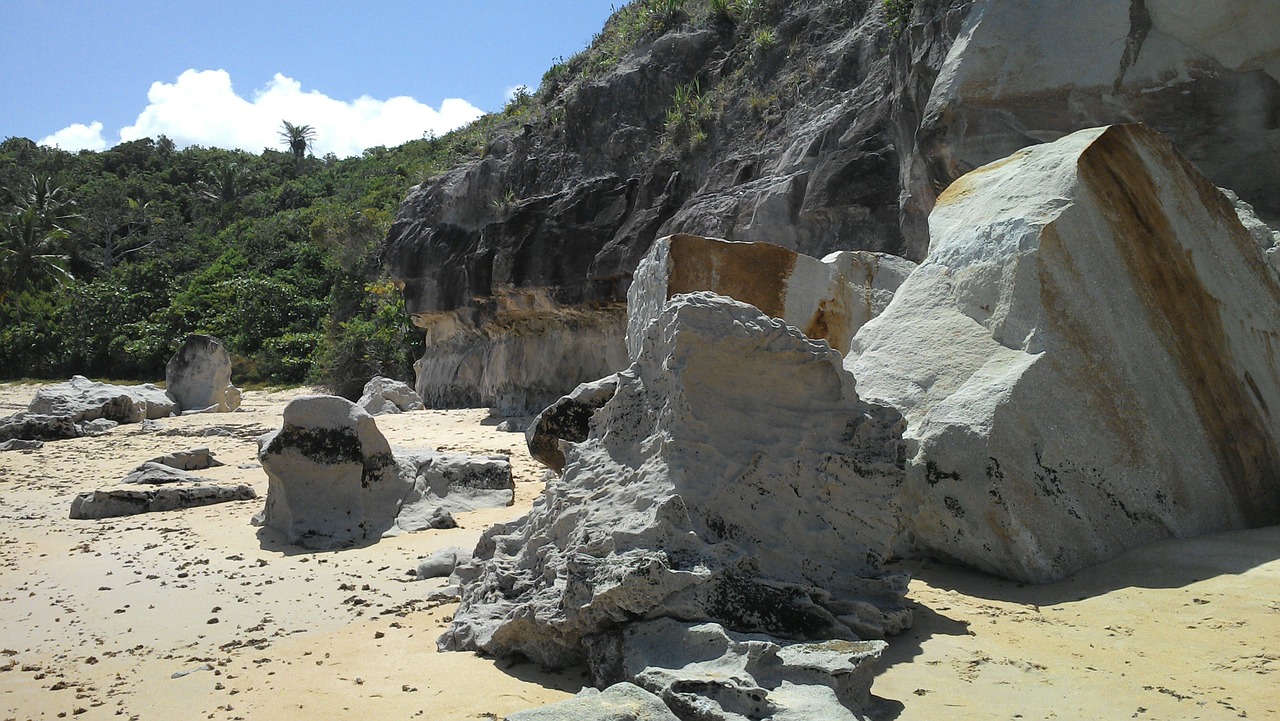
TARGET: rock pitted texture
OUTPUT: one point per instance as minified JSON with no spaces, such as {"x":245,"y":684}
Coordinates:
{"x":113,"y":503}
{"x":828,"y":299}
{"x":839,"y":136}
{"x":335,"y":482}
{"x":619,"y":702}
{"x":1086,"y":361}
{"x":385,"y":395}
{"x":682,"y":503}
{"x":198,"y":376}
{"x":706,"y":673}
{"x":568,"y":419}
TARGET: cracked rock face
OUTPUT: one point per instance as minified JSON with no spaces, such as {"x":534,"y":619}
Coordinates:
{"x":682,"y":503}
{"x":1110,"y":374}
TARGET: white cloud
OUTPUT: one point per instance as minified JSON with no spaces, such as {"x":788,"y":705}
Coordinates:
{"x":202,"y":108}
{"x":77,"y":136}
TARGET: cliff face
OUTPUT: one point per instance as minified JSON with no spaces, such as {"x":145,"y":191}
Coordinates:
{"x":819,"y":126}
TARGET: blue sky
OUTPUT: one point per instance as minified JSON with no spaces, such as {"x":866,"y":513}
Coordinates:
{"x":225,"y":73}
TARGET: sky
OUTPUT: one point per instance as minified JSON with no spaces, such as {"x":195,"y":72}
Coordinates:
{"x":88,"y":74}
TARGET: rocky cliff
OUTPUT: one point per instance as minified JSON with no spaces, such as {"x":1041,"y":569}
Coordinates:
{"x":818,"y":126}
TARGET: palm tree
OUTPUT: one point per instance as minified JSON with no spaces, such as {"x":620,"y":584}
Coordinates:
{"x":28,"y":257}
{"x":298,"y":138}
{"x":226,"y":183}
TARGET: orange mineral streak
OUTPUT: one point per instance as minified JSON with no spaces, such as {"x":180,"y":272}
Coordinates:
{"x":1184,"y":313}
{"x":755,"y":273}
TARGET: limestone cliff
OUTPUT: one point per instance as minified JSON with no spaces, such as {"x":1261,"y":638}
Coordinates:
{"x":816,"y":125}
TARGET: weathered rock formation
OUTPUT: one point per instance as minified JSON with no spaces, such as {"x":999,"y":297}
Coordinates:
{"x":198,"y":376}
{"x":442,"y":562}
{"x":839,"y":134}
{"x":701,"y":671}
{"x":828,"y":299}
{"x":1087,"y":360}
{"x":335,"y":482}
{"x":19,"y":444}
{"x":385,"y":395}
{"x":36,"y":427}
{"x":84,"y":400}
{"x":619,"y":702}
{"x":192,"y":459}
{"x":568,"y":419}
{"x":155,"y":474}
{"x":112,"y":503}
{"x":683,"y":503}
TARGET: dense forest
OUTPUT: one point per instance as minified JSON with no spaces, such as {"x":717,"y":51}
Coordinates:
{"x":109,"y":259}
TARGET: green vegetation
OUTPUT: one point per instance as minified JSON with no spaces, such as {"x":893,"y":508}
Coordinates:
{"x":690,"y":109}
{"x":897,"y":15}
{"x":109,"y":259}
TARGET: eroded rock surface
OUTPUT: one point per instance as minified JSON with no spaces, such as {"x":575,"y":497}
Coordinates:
{"x":827,"y":299}
{"x":701,"y":671}
{"x":683,"y":503}
{"x":568,"y":419}
{"x":198,"y":376}
{"x":1086,"y":361}
{"x":113,"y":503}
{"x":385,"y":395}
{"x":335,"y":482}
{"x":619,"y":702}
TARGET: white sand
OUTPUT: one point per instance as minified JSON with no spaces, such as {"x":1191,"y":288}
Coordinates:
{"x":97,"y":616}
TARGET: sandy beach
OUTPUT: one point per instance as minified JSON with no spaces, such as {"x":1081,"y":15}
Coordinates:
{"x":196,"y":614}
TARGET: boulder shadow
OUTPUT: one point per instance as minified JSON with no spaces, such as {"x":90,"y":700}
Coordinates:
{"x":926,"y":623}
{"x":269,"y":539}
{"x":1170,"y":563}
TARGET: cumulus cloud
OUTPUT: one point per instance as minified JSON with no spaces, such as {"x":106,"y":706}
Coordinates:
{"x":77,"y":136}
{"x":202,"y":108}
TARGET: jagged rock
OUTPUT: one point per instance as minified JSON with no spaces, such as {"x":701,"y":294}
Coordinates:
{"x":155,"y":474}
{"x":36,"y":427}
{"x":1108,"y":375}
{"x":19,"y":444}
{"x":441,"y":484}
{"x":701,"y":671}
{"x":683,"y":503}
{"x":198,"y":376}
{"x":332,"y":479}
{"x":620,"y":702}
{"x":385,"y":395}
{"x":568,"y":419}
{"x":442,"y":562}
{"x":127,"y":502}
{"x":192,"y":459}
{"x":828,"y":299}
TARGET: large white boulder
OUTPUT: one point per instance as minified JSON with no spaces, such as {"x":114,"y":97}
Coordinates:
{"x":828,"y":299}
{"x":198,"y":376}
{"x":84,"y":400}
{"x":1087,"y":360}
{"x":734,"y":475}
{"x":332,"y":479}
